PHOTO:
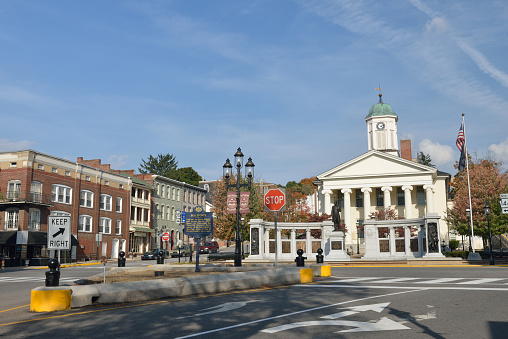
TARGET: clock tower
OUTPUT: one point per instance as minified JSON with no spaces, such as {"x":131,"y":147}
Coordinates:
{"x":382,"y":128}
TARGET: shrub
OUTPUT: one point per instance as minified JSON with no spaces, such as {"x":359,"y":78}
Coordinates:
{"x":458,"y":254}
{"x":454,"y":244}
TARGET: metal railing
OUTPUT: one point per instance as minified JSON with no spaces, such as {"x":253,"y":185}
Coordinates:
{"x":32,"y":197}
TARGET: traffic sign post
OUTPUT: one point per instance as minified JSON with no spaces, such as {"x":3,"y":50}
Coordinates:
{"x":275,"y":200}
{"x":503,"y":201}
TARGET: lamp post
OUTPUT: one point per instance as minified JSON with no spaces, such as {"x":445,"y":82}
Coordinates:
{"x":249,"y":173}
{"x":487,"y":213}
{"x":357,"y":237}
{"x":468,"y":215}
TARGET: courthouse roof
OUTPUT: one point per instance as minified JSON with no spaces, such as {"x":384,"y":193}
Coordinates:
{"x":380,"y":108}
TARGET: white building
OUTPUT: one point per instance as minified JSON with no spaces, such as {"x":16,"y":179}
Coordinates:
{"x":384,"y":177}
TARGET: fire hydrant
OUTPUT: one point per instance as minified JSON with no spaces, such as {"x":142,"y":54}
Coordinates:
{"x":319,"y":256}
{"x":300,"y":259}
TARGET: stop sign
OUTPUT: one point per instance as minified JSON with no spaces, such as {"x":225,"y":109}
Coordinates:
{"x":275,"y":200}
{"x":165,"y":236}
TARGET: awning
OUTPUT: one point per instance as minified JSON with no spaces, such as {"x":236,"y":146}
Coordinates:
{"x":41,"y":238}
{"x":142,"y":229}
{"x":8,"y":238}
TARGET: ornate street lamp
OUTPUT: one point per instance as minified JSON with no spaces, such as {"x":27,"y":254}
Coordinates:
{"x":487,"y":213}
{"x":228,"y":173}
{"x":468,"y":215}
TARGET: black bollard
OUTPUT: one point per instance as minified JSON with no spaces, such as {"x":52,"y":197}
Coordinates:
{"x":121,"y":259}
{"x":53,"y":276}
{"x":300,"y":259}
{"x":319,"y":256}
{"x":160,"y":257}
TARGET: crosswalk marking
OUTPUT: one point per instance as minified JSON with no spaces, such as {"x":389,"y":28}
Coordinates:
{"x":439,"y":281}
{"x":421,"y":280}
{"x":33,"y":279}
{"x":480,"y":281}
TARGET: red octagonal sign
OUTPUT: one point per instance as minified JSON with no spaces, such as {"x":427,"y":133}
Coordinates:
{"x":165,"y":236}
{"x":275,"y":200}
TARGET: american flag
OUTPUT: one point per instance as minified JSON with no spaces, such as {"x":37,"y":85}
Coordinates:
{"x":460,"y":138}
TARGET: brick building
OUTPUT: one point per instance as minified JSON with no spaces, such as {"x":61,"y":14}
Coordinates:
{"x":34,"y":185}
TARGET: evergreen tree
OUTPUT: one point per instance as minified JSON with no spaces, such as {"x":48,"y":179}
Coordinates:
{"x":164,"y":165}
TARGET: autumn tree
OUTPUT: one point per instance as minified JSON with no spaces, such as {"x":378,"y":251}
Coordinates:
{"x":487,"y":182}
{"x":386,"y":214}
{"x":225,"y":224}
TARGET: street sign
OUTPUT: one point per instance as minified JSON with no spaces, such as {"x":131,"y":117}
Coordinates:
{"x":165,"y":236}
{"x":178,"y":216}
{"x":59,"y":233}
{"x":183,"y":218}
{"x":504,"y":203}
{"x":199,"y":223}
{"x":275,"y":200}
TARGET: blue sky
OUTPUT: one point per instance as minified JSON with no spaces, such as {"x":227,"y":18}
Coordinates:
{"x":289,"y":81}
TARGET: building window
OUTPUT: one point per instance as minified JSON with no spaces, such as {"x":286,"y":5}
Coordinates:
{"x":67,"y":173}
{"x":54,"y":170}
{"x":86,"y":199}
{"x":146,"y":217}
{"x":162,"y":191}
{"x":379,"y":197}
{"x":14,"y":164}
{"x":11,"y":219}
{"x":157,"y":190}
{"x":105,"y":202}
{"x":105,"y":225}
{"x":172,"y":213}
{"x":59,"y":214}
{"x":62,"y":194}
{"x":34,"y":219}
{"x":85,"y":223}
{"x":87,"y":178}
{"x":36,"y":191}
{"x":14,"y":189}
{"x":173,"y":190}
{"x":106,"y":182}
{"x":118,"y":228}
{"x":420,"y":195}
{"x":121,"y":186}
{"x":207,"y":187}
{"x":118,"y":205}
{"x":400,"y":197}
{"x":178,"y":194}
{"x":167,"y":212}
{"x":359,"y":197}
{"x":40,"y":166}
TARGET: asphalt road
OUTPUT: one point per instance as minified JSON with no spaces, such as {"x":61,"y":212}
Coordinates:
{"x":420,"y":302}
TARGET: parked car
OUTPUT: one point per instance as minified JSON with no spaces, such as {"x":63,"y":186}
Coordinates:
{"x":152,"y":255}
{"x":182,"y":251}
{"x":209,"y":247}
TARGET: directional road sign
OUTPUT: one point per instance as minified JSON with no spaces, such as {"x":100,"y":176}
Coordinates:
{"x":59,"y":232}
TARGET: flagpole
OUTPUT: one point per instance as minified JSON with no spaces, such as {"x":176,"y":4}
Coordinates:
{"x":468,"y":184}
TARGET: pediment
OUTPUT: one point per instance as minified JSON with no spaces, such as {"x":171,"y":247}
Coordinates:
{"x":375,"y":163}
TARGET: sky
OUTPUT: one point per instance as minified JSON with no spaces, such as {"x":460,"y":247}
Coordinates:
{"x":290,"y":82}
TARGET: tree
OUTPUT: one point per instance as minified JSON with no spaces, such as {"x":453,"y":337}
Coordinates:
{"x":424,"y":159}
{"x":164,"y":165}
{"x":386,"y":214}
{"x":487,"y":181}
{"x":188,"y":175}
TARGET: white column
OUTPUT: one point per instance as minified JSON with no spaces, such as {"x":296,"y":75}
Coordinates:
{"x":429,"y":195}
{"x":308,"y":244}
{"x":279,"y":243}
{"x":347,"y":214}
{"x":407,"y":240}
{"x":366,"y":202}
{"x":407,"y":202}
{"x":293,"y":243}
{"x":386,"y":197}
{"x":392,"y":241}
{"x":328,"y":204}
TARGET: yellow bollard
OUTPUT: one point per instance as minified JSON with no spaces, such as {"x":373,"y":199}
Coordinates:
{"x":50,"y":300}
{"x":306,"y":275}
{"x":326,"y":271}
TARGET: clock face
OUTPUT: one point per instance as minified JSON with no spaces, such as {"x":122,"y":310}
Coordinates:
{"x":380,"y":125}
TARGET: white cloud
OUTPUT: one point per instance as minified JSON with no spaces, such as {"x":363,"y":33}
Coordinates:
{"x":501,"y":151}
{"x":7,"y":145}
{"x":118,"y":161}
{"x":441,"y":155}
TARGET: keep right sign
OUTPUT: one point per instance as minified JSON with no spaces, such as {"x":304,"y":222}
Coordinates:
{"x":275,"y":200}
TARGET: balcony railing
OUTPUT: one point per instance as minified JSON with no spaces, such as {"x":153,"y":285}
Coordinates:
{"x":29,"y":197}
{"x":34,"y":226}
{"x":11,"y":225}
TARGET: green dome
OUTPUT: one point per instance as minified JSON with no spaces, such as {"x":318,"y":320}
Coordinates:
{"x":379,"y":109}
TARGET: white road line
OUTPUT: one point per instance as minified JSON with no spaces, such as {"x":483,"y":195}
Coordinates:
{"x":391,"y":281}
{"x":459,"y":288}
{"x":439,"y":281}
{"x":347,"y":280}
{"x":480,"y":281}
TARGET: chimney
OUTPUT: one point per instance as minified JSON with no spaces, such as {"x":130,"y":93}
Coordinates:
{"x":405,"y":149}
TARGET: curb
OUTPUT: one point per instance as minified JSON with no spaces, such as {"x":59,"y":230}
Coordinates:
{"x":86,"y":295}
